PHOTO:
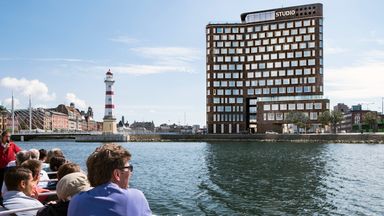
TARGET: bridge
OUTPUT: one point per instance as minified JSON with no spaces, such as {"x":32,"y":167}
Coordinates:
{"x":33,"y":135}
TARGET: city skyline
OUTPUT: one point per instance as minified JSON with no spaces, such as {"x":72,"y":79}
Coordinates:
{"x":156,"y":51}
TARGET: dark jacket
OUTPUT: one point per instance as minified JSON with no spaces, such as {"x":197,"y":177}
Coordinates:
{"x":58,"y":209}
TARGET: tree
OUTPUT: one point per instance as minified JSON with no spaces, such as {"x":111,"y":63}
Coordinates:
{"x":298,"y":119}
{"x":336,"y":118}
{"x":325,"y":118}
{"x":333,"y":118}
{"x":370,"y":119}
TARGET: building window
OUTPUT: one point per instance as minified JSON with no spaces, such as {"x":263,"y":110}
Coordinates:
{"x":300,"y":106}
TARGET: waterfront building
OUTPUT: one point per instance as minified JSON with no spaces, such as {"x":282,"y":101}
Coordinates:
{"x":109,"y":121}
{"x":4,"y":115}
{"x":74,"y":116}
{"x":260,"y":70}
{"x":59,"y":121}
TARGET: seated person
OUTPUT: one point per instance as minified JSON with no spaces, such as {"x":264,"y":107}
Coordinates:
{"x":21,"y":156}
{"x":68,"y":186}
{"x":35,"y":155}
{"x":64,"y":169}
{"x":67,"y":168}
{"x":35,"y":167}
{"x":19,"y":182}
{"x":109,"y":172}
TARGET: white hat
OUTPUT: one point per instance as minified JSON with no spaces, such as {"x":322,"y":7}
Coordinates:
{"x":72,"y":184}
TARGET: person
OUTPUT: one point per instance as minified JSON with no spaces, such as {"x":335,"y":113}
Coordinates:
{"x":44,"y":178}
{"x":64,"y":169}
{"x":35,"y":167}
{"x":67,"y":168}
{"x":8,"y":150}
{"x":56,"y":162}
{"x":21,"y":156}
{"x":68,"y":186}
{"x":43,"y":158}
{"x":109,"y":172}
{"x":19,"y":182}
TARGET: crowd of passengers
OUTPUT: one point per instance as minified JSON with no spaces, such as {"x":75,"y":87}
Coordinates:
{"x":28,"y":177}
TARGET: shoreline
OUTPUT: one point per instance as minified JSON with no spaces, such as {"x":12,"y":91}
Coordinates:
{"x":293,"y":138}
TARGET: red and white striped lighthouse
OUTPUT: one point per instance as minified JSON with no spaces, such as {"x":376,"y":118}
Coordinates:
{"x":109,"y":123}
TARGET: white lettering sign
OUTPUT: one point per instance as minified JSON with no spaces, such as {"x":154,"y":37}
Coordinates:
{"x":285,"y":13}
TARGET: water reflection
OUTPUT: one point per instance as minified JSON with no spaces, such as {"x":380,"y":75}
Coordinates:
{"x":264,"y":179}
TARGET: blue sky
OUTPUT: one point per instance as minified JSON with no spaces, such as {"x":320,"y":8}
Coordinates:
{"x":59,"y":51}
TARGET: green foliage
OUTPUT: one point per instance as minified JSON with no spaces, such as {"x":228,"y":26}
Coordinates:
{"x":297,"y":118}
{"x":3,"y":109}
{"x":371,"y":120}
{"x":331,"y":118}
{"x":325,"y":118}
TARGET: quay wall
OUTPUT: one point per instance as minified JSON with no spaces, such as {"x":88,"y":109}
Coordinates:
{"x":318,"y":138}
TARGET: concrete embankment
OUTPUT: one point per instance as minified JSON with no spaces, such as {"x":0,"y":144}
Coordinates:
{"x":319,"y":138}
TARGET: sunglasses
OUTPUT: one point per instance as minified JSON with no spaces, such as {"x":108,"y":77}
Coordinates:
{"x":130,"y":168}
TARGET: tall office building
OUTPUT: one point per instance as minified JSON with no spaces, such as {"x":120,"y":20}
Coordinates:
{"x":263,"y":68}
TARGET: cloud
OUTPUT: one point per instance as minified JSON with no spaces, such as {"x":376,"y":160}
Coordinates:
{"x":355,"y":82}
{"x":374,"y":38}
{"x":79,"y":103}
{"x":372,"y":56}
{"x":331,"y":49}
{"x":124,"y":39}
{"x":35,"y":88}
{"x":165,"y":60}
{"x":8,"y":103}
{"x":149,"y":69}
{"x":62,"y":60}
{"x":164,"y":55}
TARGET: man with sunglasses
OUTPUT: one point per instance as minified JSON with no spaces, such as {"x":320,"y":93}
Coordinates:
{"x":109,"y":172}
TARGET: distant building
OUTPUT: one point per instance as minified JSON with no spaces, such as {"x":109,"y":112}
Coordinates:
{"x":354,"y":120}
{"x":260,"y":70}
{"x":59,"y":121}
{"x":4,"y":115}
{"x":341,"y":108}
{"x":146,"y":126}
{"x":74,"y":116}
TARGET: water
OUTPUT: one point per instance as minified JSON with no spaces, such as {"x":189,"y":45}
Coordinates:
{"x":251,"y":178}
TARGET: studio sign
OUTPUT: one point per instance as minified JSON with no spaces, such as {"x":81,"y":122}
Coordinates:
{"x":285,"y":13}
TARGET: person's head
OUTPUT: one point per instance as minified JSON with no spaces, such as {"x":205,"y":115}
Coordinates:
{"x":35,"y":154}
{"x":55,"y":152}
{"x":43,"y":155}
{"x":22,"y":156}
{"x":34,"y":166}
{"x":19,"y":179}
{"x":66,"y":169}
{"x":72,"y":184}
{"x":56,"y":162}
{"x":5,"y":136}
{"x":108,"y":164}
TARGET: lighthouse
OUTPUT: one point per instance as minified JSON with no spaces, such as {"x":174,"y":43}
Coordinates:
{"x":109,"y":121}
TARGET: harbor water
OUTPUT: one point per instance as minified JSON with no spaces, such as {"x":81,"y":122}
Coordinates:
{"x":249,"y":178}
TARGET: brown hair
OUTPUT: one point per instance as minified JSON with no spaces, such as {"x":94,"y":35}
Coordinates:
{"x":56,"y":162}
{"x":22,"y":156}
{"x":14,"y":176}
{"x":66,"y":169}
{"x":34,"y":166}
{"x":103,"y":161}
{"x":55,"y":152}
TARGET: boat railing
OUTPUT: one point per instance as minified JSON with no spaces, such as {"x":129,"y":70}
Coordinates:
{"x":4,"y":211}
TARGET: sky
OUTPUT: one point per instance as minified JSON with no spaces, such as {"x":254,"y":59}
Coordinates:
{"x":59,"y":51}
